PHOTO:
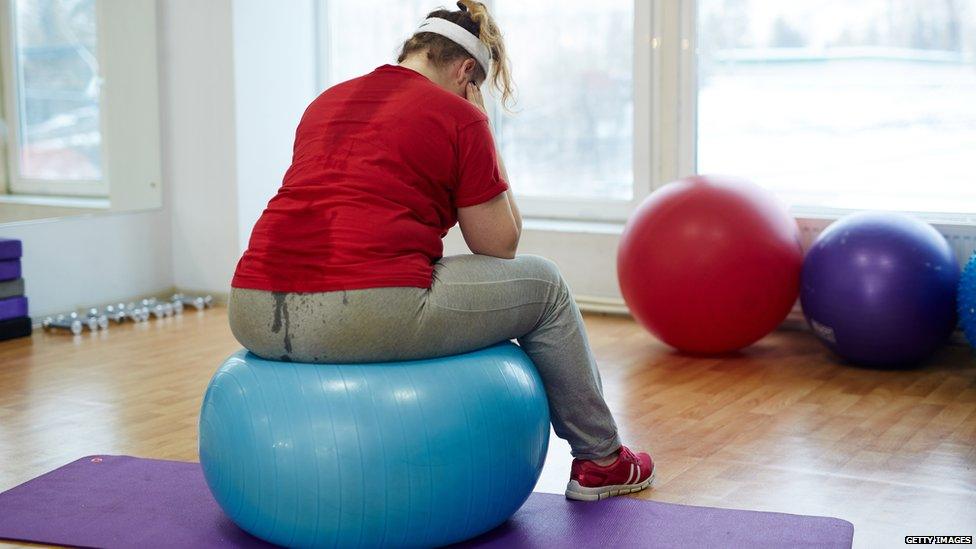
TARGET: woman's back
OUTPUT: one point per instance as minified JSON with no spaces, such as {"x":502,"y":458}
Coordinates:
{"x":380,"y":165}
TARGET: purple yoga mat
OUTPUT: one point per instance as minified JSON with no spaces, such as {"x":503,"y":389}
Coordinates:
{"x":10,"y":248}
{"x":121,"y":501}
{"x":13,"y":307}
{"x":9,"y":269}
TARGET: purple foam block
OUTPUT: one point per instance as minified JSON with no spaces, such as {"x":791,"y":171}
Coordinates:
{"x":13,"y":307}
{"x":13,"y":328}
{"x":9,"y":269}
{"x":10,"y":248}
{"x":121,"y":501}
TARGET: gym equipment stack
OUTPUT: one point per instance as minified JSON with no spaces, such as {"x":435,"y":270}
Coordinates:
{"x":14,"y":321}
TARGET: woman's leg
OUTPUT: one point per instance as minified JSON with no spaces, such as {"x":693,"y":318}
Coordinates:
{"x":474,"y":301}
{"x":477,"y":300}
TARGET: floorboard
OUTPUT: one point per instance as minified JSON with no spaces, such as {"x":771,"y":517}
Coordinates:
{"x":779,"y":427}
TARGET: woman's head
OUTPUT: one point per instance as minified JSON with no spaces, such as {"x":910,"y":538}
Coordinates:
{"x":456,"y":65}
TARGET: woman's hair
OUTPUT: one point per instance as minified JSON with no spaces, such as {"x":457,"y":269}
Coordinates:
{"x":473,"y":17}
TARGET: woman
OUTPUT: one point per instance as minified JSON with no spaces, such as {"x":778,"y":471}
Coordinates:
{"x":345,"y":263}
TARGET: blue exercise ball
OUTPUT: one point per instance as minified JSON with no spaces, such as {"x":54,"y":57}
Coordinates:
{"x":967,"y":300}
{"x":408,"y":454}
{"x":879,"y":289}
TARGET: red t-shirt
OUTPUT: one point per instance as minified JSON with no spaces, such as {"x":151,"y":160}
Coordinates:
{"x":380,"y":165}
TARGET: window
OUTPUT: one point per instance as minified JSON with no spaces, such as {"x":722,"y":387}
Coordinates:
{"x":867,"y":104}
{"x":570,"y":145}
{"x":833,"y":105}
{"x":574,"y":129}
{"x":80,"y":103}
{"x":54,"y":107}
{"x":358,"y":36}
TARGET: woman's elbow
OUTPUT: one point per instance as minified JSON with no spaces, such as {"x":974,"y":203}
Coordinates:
{"x":501,"y":249}
{"x":508,"y":253}
{"x":513,"y":245}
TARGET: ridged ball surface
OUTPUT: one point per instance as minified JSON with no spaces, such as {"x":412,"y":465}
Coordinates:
{"x":967,"y":300}
{"x":407,"y":454}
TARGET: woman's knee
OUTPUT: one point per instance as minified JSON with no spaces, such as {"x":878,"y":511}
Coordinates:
{"x":542,"y":267}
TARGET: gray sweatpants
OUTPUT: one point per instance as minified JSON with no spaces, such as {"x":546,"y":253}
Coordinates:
{"x":474,"y":301}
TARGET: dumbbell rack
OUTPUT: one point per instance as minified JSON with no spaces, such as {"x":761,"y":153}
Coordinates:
{"x":100,"y":318}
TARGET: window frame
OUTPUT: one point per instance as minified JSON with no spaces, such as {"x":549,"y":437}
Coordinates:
{"x":646,"y":133}
{"x":12,"y":103}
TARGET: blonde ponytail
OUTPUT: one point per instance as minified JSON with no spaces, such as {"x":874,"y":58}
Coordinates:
{"x":491,"y":36}
{"x":474,"y":17}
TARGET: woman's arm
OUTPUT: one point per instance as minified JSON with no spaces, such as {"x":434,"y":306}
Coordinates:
{"x":511,"y":198}
{"x":493,"y":227}
{"x":490,"y":227}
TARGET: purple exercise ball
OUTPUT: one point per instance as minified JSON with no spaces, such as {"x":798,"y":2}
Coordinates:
{"x":879,"y":289}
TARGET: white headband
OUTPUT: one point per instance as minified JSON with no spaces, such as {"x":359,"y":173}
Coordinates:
{"x":461,"y":36}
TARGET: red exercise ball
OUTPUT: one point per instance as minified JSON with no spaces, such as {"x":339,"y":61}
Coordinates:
{"x":710,"y":264}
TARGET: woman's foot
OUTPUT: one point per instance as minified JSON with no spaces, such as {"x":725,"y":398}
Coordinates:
{"x":628,"y":473}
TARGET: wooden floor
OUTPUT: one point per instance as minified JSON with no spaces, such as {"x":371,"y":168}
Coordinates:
{"x":780,"y":427}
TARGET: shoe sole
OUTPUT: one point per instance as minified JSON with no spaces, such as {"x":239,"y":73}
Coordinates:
{"x":596,"y":493}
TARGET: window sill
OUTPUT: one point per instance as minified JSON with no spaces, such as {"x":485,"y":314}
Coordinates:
{"x":935,"y":218}
{"x":540,"y":224}
{"x":580,"y":226}
{"x":83,"y":203}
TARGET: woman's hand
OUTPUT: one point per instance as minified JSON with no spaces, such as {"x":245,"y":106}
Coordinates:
{"x":473,"y":94}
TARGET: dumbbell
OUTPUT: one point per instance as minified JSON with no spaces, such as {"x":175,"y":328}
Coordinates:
{"x":173,"y":306}
{"x":92,"y":322}
{"x":157,"y":308}
{"x":120,"y":312}
{"x":161,"y":310}
{"x":96,"y":320}
{"x":116,"y":313}
{"x":62,"y":322}
{"x":136,"y":313}
{"x":76,"y":323}
{"x":198,"y":303}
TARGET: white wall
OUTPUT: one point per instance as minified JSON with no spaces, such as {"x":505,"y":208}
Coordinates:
{"x":82,"y":261}
{"x":236,"y":78}
{"x":274,"y":77}
{"x":199,"y":161}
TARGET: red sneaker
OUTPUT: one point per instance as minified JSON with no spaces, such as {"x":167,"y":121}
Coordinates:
{"x":628,"y":474}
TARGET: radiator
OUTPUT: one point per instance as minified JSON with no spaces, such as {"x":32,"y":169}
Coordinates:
{"x":962,"y":238}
